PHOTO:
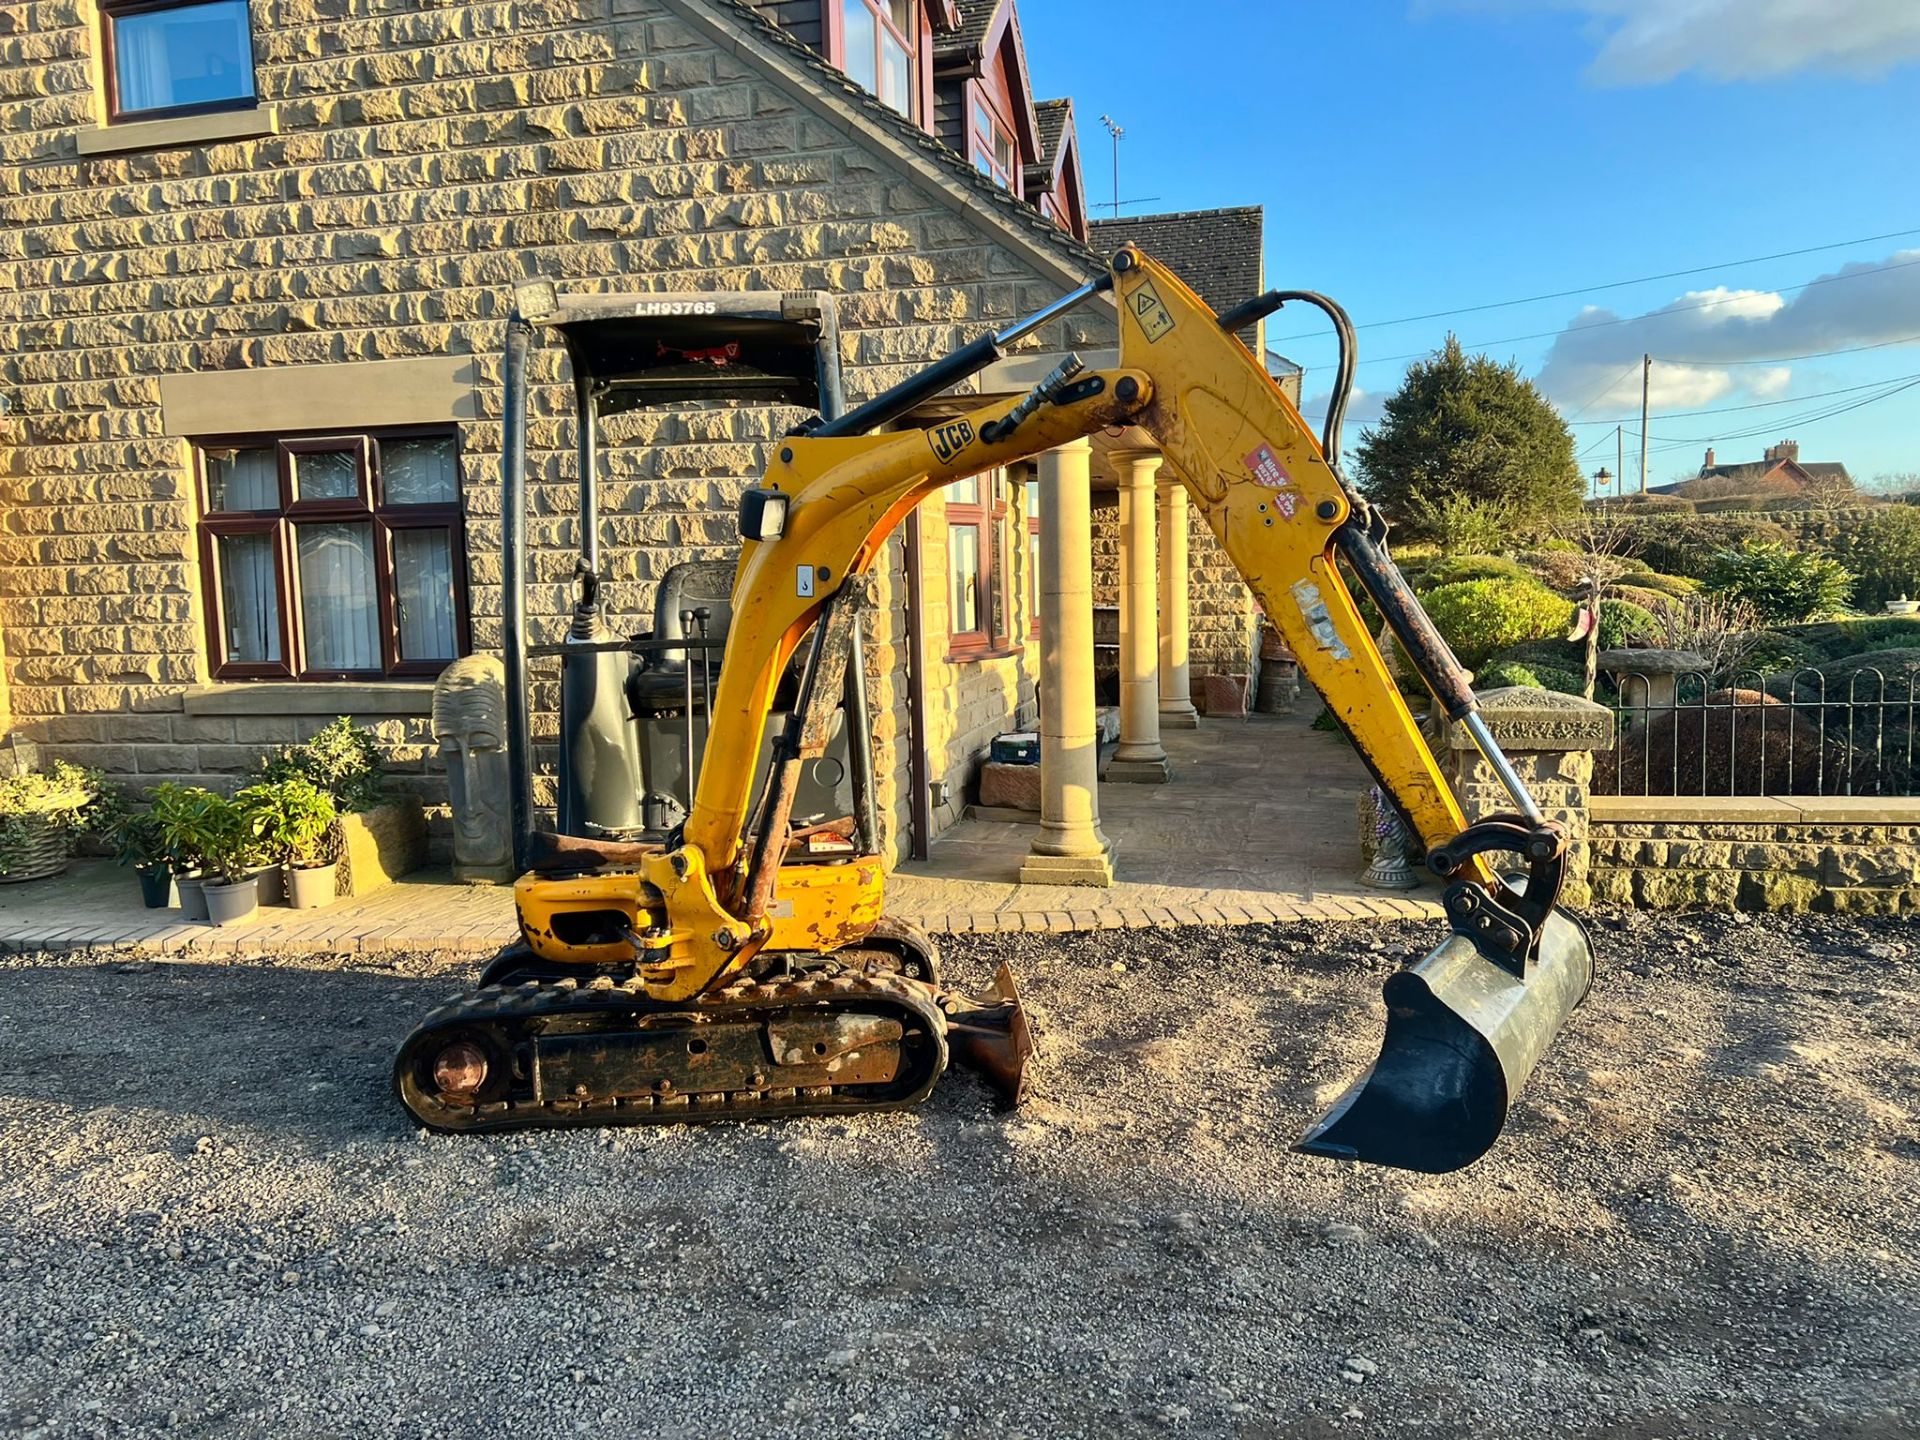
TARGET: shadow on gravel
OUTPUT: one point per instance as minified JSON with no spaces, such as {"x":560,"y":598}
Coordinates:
{"x":301,"y":1052}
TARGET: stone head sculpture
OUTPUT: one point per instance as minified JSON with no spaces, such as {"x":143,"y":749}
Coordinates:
{"x":470,"y":724}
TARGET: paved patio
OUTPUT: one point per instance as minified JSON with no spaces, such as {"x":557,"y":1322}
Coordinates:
{"x":1257,"y":825}
{"x":1260,"y":823}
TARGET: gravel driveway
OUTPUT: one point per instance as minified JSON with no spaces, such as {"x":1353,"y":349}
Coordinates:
{"x":214,"y":1222}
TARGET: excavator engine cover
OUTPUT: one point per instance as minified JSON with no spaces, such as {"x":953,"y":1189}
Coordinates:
{"x":1463,"y":1035}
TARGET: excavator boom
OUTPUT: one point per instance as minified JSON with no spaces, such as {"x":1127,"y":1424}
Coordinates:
{"x":705,"y":922}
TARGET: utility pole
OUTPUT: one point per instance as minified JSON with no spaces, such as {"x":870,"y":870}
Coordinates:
{"x":1619,"y":450}
{"x":1646,"y":385}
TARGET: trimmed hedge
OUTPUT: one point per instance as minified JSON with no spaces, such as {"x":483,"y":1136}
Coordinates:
{"x":1480,"y":618}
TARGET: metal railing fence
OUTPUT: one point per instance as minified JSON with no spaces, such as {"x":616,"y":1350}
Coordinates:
{"x":1763,"y":733}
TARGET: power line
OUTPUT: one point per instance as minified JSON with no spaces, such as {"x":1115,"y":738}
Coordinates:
{"x":1617,"y":284}
{"x":1604,"y":390}
{"x":1761,"y":404}
{"x":1633,"y":319}
{"x":1681,"y":442}
{"x":1786,"y":359}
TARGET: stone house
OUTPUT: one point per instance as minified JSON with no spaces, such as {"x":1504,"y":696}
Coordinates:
{"x":256,"y":258}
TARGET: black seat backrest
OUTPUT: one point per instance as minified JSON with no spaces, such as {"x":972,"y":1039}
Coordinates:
{"x":692,"y":585}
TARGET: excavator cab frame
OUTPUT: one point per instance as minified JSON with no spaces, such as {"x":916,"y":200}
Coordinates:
{"x":713,"y":923}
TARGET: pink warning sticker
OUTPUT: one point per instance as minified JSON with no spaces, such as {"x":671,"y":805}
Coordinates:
{"x":1265,"y":467}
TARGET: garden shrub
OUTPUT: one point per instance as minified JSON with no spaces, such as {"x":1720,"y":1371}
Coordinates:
{"x":1501,"y":673}
{"x":1652,"y":601}
{"x":1837,"y":639}
{"x":1779,"y":583}
{"x":1882,"y":548}
{"x":1480,"y":618}
{"x":1451,"y":570}
{"x":1622,"y":621}
{"x":342,"y":759}
{"x":1676,"y":586}
{"x":1685,"y":545}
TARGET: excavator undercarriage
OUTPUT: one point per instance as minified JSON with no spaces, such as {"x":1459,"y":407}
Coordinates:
{"x":704,"y":931}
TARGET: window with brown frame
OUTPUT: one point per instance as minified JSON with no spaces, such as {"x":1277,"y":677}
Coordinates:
{"x":175,"y":57}
{"x":879,"y":50}
{"x":979,"y":570}
{"x":333,"y":557}
{"x":990,"y":145}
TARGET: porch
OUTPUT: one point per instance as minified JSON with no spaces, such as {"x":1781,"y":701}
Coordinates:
{"x":1262,"y":827}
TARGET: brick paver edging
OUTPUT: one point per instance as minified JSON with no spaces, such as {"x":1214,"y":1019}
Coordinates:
{"x":382,"y":939}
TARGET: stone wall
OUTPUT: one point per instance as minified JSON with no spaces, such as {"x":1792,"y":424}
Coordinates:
{"x":1830,"y":855}
{"x":425,"y":160}
{"x":1550,"y":740}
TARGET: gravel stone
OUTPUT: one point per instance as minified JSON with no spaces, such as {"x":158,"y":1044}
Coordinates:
{"x":1699,"y":1222}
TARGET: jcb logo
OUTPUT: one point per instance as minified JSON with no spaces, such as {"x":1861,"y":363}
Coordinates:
{"x":950,"y":439}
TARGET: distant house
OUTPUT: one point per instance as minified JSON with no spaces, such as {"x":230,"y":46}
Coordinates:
{"x":1781,"y":469}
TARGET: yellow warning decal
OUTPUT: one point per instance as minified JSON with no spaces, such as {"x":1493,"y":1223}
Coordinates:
{"x":1154,"y":317}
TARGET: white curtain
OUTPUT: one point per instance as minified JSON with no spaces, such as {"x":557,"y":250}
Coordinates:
{"x":338,"y":602}
{"x":250,"y":599}
{"x":187,"y":55}
{"x":242,"y":480}
{"x":418,"y":472}
{"x":423,"y":592}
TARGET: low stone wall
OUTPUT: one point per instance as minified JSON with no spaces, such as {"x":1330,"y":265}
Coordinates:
{"x":1828,"y":854}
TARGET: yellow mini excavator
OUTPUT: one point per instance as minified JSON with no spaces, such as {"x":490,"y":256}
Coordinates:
{"x":703,"y":926}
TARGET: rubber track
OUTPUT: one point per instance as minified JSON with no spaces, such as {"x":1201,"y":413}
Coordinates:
{"x":516,"y":1014}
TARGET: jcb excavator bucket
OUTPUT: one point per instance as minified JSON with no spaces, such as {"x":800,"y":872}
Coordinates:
{"x":1463,"y":1035}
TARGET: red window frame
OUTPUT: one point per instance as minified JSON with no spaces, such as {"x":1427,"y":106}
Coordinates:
{"x":984,"y":141}
{"x":992,"y":638}
{"x":112,"y":10}
{"x":367,"y":505}
{"x":881,"y":13}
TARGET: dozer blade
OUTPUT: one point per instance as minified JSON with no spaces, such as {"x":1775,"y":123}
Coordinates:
{"x":990,"y":1034}
{"x":1463,"y":1035}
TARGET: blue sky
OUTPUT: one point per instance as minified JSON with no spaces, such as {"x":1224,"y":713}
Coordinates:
{"x":1422,"y":155}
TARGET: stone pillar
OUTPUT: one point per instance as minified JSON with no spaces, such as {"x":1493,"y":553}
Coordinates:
{"x":1550,"y":738}
{"x":1070,"y":848}
{"x":1139,"y":757}
{"x":1176,"y":621}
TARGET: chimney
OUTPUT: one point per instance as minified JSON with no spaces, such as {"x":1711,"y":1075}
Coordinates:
{"x":1785,"y":450}
{"x":1709,"y":464}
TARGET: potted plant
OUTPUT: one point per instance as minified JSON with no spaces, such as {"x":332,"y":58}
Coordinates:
{"x":229,"y":845}
{"x":42,"y":812}
{"x":140,"y":841}
{"x":184,"y":814}
{"x":294,"y":820}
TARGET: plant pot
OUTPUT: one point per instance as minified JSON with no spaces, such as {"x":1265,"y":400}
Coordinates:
{"x":270,"y":885}
{"x":156,"y":885}
{"x":39,"y":849}
{"x":232,"y":904}
{"x":193,"y":897}
{"x":310,"y":888}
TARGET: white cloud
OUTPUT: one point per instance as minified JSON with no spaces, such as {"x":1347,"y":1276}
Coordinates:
{"x":1592,"y":369}
{"x":1649,"y":42}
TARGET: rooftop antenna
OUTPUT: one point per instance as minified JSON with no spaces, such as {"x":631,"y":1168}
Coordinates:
{"x":1117,"y":133}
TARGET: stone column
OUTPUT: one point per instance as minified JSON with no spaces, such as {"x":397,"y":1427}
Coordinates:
{"x":1176,"y":623}
{"x":1139,"y":757}
{"x":1070,"y":848}
{"x":1550,"y":738}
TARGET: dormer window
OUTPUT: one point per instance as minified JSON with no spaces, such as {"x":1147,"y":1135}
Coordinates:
{"x":880,"y":45}
{"x":990,"y":145}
